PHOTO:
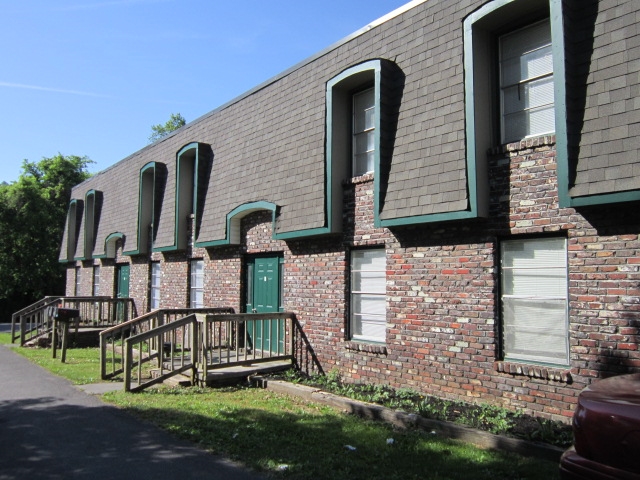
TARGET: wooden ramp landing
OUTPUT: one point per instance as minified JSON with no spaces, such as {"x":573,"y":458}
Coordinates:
{"x":228,"y":375}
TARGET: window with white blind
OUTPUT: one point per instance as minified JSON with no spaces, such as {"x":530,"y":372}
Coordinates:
{"x":368,"y":295}
{"x":96,"y":280}
{"x":526,"y":82}
{"x":154,"y":292}
{"x":197,"y":284}
{"x":534,"y":301}
{"x":78,"y":285}
{"x":364,"y":109}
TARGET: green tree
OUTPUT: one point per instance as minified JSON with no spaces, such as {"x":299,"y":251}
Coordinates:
{"x":33,"y":211}
{"x":159,"y":131}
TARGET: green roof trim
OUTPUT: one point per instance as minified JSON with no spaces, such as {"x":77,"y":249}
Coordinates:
{"x":604,"y":199}
{"x":430,"y":218}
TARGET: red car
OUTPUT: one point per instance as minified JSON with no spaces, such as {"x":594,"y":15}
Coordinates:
{"x":606,"y":428}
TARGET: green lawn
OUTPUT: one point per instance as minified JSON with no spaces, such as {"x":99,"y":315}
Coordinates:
{"x":292,"y":438}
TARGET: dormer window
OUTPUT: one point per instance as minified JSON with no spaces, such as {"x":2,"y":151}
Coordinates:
{"x":364,"y":141}
{"x":526,"y":82}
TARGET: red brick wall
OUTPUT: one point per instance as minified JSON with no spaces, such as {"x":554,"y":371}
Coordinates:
{"x":442,"y":289}
{"x":443,"y":307}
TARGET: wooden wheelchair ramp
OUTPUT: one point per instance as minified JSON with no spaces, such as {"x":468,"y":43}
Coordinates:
{"x":201,"y":348}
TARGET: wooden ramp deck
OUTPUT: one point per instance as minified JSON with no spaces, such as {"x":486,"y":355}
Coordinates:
{"x":227,"y":375}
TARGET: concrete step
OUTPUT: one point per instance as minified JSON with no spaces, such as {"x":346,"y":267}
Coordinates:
{"x":178,"y":381}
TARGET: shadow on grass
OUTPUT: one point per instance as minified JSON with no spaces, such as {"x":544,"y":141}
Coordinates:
{"x":323,"y":444}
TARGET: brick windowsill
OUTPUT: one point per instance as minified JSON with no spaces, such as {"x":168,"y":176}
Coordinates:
{"x":367,"y":177}
{"x":541,"y":141}
{"x":366,"y":347}
{"x":534,"y":371}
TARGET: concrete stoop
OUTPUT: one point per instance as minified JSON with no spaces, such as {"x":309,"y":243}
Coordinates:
{"x":401,"y":419}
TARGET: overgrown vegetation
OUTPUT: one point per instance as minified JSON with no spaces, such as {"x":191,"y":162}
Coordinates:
{"x":486,"y":417}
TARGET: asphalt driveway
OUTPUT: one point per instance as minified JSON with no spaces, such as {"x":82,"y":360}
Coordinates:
{"x":49,"y":429}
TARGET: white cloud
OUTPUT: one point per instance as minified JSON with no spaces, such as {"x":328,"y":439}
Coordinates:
{"x":107,"y":4}
{"x":50,"y":89}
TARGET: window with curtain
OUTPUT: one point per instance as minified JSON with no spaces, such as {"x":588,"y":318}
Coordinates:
{"x":534,"y":300}
{"x":368,"y":295}
{"x":526,"y":82}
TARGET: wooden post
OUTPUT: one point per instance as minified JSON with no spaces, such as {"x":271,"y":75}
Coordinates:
{"x":194,"y":349}
{"x":103,"y":358}
{"x":65,"y":339}
{"x":54,"y":337}
{"x":128,"y":363}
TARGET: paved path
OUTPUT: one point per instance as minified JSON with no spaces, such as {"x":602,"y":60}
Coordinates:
{"x":50,"y":429}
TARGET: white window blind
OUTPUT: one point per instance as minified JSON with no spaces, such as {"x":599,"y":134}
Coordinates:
{"x":363,"y":132}
{"x":526,"y":82}
{"x":197,"y":284}
{"x":155,"y":286}
{"x":368,"y":295}
{"x":96,"y":280}
{"x":534,"y":300}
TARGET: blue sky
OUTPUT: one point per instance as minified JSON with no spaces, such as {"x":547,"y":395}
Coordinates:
{"x":90,"y":77}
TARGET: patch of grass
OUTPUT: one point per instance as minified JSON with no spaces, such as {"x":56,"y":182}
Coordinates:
{"x":293,"y":438}
{"x":82,"y":365}
{"x":5,"y":338}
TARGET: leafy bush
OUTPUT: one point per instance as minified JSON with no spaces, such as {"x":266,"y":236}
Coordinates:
{"x":485,"y":417}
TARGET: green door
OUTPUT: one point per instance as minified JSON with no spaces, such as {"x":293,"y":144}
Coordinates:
{"x":122,"y":291}
{"x":263,"y":296}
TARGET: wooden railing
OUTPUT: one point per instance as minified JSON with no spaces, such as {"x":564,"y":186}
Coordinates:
{"x":167,"y":347}
{"x":35,"y":320}
{"x":244,"y":339}
{"x":30,"y":319}
{"x":151,"y":352}
{"x":112,"y":340}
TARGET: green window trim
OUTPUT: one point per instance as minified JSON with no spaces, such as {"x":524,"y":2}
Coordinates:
{"x":110,"y":245}
{"x":75,"y":209}
{"x":187,"y":192}
{"x":234,"y":222}
{"x":91,"y":202}
{"x":478,"y":135}
{"x":338,"y":164}
{"x":148,"y":183}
